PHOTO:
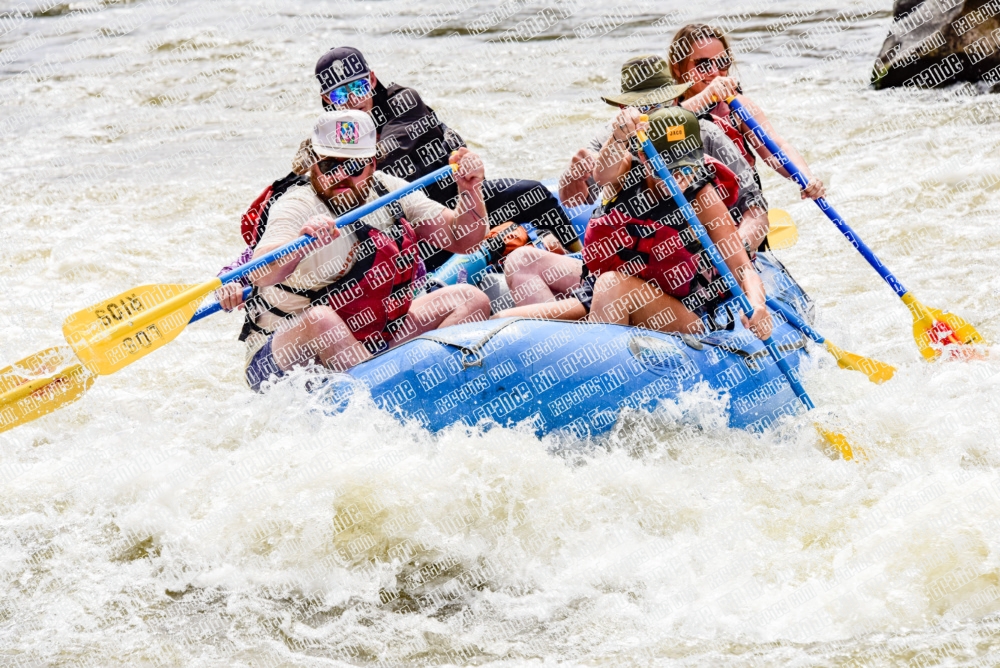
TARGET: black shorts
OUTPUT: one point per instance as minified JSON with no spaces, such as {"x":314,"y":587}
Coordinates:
{"x":585,"y":291}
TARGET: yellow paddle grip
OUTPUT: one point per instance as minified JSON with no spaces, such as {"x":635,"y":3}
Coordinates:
{"x":641,"y":134}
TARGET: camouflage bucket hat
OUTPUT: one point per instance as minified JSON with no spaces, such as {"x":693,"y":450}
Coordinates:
{"x":676,"y":136}
{"x":646,"y":80}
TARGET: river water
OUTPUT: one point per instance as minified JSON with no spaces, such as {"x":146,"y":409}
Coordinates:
{"x":172,"y":517}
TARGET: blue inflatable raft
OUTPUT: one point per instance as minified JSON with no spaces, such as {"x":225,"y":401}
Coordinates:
{"x":579,"y":377}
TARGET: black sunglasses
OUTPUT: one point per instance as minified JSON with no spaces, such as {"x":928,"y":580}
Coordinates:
{"x":351,"y":166}
{"x":705,"y":65}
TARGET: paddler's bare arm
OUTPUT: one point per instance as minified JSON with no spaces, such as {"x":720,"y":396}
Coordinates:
{"x":321,"y":227}
{"x":814,"y":187}
{"x":614,"y":159}
{"x":723,"y":88}
{"x":722,"y":231}
{"x":461,"y":229}
{"x":755,"y":226}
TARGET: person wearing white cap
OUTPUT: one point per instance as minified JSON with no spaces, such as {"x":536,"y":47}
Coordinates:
{"x":353,"y":295}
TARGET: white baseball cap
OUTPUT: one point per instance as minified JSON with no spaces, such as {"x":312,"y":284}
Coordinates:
{"x":344,"y":134}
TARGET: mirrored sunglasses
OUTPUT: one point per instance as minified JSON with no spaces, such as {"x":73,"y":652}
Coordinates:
{"x":358,"y":89}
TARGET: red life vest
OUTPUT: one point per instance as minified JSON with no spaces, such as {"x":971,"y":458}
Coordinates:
{"x":724,"y":181}
{"x":725,"y":119}
{"x":375,"y":295}
{"x":254,"y":221}
{"x":643,"y":234}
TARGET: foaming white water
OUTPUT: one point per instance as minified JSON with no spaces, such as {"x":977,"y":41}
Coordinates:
{"x":174,"y":518}
{"x":298,"y":532}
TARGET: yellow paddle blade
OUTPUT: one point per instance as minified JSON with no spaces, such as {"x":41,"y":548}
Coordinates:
{"x":934,"y":329}
{"x":39,"y":384}
{"x":32,"y":367}
{"x":877,"y":372}
{"x":782,"y":233}
{"x":118,"y":331}
{"x":840,"y":444}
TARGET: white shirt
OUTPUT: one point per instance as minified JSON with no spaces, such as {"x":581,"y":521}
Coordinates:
{"x":331,"y":262}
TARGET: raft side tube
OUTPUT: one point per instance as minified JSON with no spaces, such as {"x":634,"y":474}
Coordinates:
{"x":573,"y":377}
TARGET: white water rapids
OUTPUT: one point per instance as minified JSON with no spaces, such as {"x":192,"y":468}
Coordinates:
{"x":172,"y":517}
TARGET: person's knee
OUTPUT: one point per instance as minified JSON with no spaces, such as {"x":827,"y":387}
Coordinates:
{"x":582,"y":164}
{"x":323,"y":324}
{"x":520,"y":259}
{"x":455,"y":301}
{"x":607,"y":281}
{"x":476,"y":302}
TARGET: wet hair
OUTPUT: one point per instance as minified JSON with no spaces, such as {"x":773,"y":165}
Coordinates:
{"x":682,"y":43}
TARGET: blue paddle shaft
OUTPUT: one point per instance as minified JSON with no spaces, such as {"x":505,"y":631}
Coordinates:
{"x":348,"y":218}
{"x":215,"y":307}
{"x":305,"y":240}
{"x":830,"y":212}
{"x":720,"y":265}
{"x":797,"y":322}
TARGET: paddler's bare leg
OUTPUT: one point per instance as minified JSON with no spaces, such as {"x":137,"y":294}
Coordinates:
{"x":754,"y":227}
{"x":561,"y":309}
{"x":453,"y":305}
{"x":536,"y":276}
{"x":627,"y":300}
{"x":318,"y":335}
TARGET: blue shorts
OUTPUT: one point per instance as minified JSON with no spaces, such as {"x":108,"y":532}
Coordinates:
{"x":263,"y":366}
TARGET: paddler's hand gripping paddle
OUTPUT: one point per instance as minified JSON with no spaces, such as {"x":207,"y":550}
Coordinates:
{"x":118,"y":331}
{"x":932,"y":328}
{"x":739,"y":297}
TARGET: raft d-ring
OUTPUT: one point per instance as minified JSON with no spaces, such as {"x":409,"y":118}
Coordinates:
{"x":471,"y":358}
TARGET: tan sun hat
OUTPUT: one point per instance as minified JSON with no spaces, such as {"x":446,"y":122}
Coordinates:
{"x":646,"y":80}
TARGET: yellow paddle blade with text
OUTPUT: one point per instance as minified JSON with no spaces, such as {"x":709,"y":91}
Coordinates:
{"x":122,"y":329}
{"x":39,"y":384}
